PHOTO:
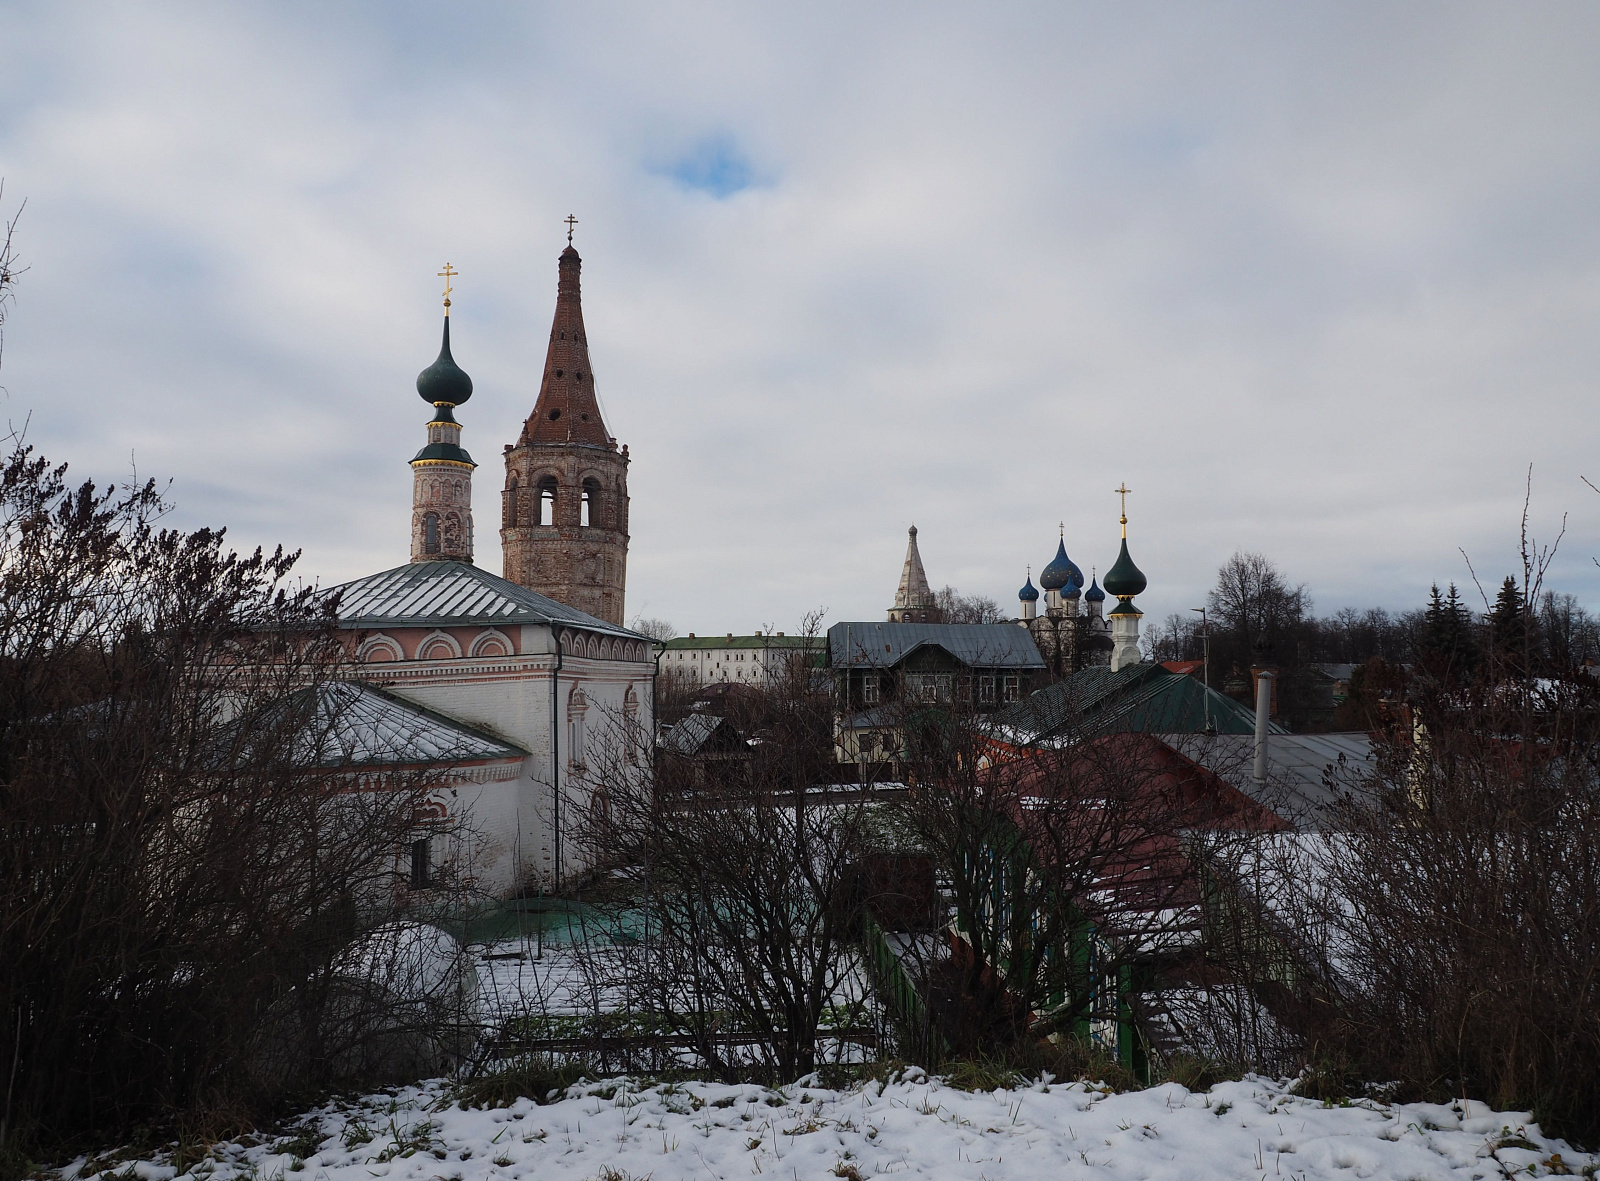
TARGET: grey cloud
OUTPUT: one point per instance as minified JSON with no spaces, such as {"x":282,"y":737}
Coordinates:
{"x":1319,"y":281}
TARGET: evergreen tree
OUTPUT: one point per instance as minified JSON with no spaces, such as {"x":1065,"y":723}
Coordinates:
{"x":1512,"y":635}
{"x":1447,"y":647}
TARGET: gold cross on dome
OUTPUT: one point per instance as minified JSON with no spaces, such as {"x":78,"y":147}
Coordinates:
{"x":447,"y":274}
{"x":1123,"y":492}
{"x":571,"y":221}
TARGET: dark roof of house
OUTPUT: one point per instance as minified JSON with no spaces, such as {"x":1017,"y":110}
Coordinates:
{"x":441,"y":594}
{"x":1147,"y":698}
{"x":976,"y":645}
{"x":691,"y":735}
{"x":1306,"y":773}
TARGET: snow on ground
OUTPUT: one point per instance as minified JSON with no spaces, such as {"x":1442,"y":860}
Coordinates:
{"x":914,"y":1126}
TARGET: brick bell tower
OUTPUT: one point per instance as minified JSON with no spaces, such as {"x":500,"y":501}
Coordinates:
{"x":564,"y":519}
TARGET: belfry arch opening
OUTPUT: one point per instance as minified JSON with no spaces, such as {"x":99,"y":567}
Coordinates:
{"x":547,"y":501}
{"x":430,"y":533}
{"x":589,"y":512}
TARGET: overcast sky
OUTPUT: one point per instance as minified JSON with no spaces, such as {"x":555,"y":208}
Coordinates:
{"x":1318,"y":280}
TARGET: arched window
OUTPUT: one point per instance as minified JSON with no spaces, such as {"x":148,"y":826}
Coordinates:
{"x":590,"y":514}
{"x":577,"y":706}
{"x":547,"y":501}
{"x":430,"y":533}
{"x":511,"y":503}
{"x":630,"y":722}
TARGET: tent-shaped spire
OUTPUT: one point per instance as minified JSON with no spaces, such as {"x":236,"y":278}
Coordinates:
{"x":914,"y":594}
{"x":567,"y":410}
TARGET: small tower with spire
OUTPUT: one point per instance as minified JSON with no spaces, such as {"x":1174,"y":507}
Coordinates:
{"x":914,"y":601}
{"x":441,"y":473}
{"x":564,"y":516}
{"x":1124,"y":580}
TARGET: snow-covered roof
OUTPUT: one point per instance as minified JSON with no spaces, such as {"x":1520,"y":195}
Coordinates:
{"x":438,"y":594}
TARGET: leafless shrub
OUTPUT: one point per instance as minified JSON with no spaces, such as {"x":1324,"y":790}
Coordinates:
{"x":1068,"y":886}
{"x":746,"y":883}
{"x":188,"y":843}
{"x":1450,"y":928}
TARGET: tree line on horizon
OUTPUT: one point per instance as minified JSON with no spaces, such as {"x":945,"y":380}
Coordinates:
{"x":1257,"y":618}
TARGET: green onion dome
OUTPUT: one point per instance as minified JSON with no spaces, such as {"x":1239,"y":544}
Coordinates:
{"x":444,"y":381}
{"x":1124,"y":579}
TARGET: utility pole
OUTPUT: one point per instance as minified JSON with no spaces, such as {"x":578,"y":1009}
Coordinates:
{"x":1205,"y":663}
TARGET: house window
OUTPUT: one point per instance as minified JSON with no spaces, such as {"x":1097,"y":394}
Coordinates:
{"x":422,"y":863}
{"x":1013,"y":688}
{"x":986,"y":690}
{"x":869,"y":689}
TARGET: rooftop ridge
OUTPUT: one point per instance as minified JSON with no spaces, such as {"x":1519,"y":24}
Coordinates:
{"x":450,"y":591}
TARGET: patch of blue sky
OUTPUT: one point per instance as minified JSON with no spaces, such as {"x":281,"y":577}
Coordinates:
{"x":716,"y":166}
{"x":1155,"y":144}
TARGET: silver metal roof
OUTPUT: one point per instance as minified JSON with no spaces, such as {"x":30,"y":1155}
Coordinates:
{"x":1307,"y":774}
{"x":441,"y":594}
{"x":976,"y":645}
{"x":356,"y":724}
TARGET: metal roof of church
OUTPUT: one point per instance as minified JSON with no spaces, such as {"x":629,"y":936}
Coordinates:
{"x":977,"y":645}
{"x":351,"y":724}
{"x":367,"y":725}
{"x":439,"y":594}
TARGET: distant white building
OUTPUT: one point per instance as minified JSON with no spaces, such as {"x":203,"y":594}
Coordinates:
{"x":761,"y":659}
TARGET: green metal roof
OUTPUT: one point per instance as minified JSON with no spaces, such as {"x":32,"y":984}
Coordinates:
{"x":1140,"y":698}
{"x":447,"y":452}
{"x":743,"y":642}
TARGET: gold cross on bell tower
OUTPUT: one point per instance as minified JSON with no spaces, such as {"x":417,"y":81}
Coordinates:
{"x":571,"y":221}
{"x":447,"y":274}
{"x":1123,"y":492}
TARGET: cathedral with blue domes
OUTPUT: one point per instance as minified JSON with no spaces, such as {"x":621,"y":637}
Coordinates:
{"x":1073,"y":631}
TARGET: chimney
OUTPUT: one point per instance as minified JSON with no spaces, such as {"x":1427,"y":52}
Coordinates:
{"x":1264,"y":681}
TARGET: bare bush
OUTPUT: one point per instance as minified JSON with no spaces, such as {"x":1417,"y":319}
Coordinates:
{"x":187,"y":843}
{"x":746,"y":883}
{"x":1069,"y":889}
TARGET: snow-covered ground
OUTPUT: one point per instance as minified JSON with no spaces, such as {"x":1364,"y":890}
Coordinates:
{"x":914,"y":1126}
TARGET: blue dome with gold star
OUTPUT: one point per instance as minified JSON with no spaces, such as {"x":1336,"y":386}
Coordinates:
{"x":1062,"y":574}
{"x":1029,"y":593}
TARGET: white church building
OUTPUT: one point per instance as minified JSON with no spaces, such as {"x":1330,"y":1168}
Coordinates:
{"x":516,"y":704}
